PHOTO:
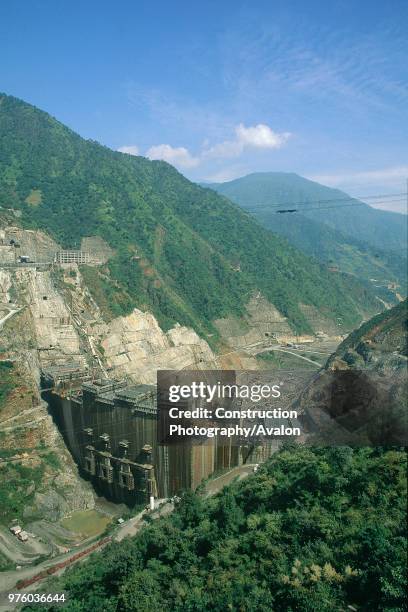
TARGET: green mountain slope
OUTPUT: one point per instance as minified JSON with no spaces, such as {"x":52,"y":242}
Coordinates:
{"x":176,"y":244}
{"x":358,"y":239}
{"x":314,"y":529}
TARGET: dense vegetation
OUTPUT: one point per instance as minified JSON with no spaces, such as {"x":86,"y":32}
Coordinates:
{"x":6,"y":381}
{"x":358,"y":239}
{"x":16,"y":480}
{"x":177,"y":245}
{"x":314,"y":529}
{"x":18,"y":485}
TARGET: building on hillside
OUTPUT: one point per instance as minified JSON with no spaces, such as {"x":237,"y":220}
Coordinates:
{"x":68,"y":257}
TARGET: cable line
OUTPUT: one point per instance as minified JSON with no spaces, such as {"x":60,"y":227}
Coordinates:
{"x":348,"y":201}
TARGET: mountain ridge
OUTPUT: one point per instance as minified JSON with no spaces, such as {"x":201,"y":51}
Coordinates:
{"x":185,"y":253}
{"x":359,"y":239}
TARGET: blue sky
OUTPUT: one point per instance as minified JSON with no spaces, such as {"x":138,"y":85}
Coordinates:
{"x":221,"y":89}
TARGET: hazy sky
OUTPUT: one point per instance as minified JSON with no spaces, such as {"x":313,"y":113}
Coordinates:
{"x":221,"y":89}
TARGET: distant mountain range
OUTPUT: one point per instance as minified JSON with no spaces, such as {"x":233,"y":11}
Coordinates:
{"x":328,"y":224}
{"x":183,"y":252}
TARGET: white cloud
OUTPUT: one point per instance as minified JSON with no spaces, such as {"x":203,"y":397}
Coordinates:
{"x":226,"y":149}
{"x":178,"y":156}
{"x":129,"y":149}
{"x":259,"y":136}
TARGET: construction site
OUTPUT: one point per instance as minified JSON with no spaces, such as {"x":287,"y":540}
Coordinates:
{"x":95,"y":378}
{"x":81,"y":421}
{"x":92,"y":381}
{"x":110,"y":427}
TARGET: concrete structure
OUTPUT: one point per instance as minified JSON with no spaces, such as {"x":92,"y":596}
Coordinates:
{"x":65,"y":378}
{"x":111,"y":430}
{"x":68,"y":257}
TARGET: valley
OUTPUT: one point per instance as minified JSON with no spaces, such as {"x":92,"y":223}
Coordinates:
{"x":344,"y":233}
{"x":113,"y":267}
{"x":51,"y":322}
{"x":203,"y":306}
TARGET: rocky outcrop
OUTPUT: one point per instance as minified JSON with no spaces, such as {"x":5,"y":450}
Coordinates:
{"x":48,"y":317}
{"x":379,"y":344}
{"x":30,"y":441}
{"x":135,"y":346}
{"x":360,"y":396}
{"x":35,"y":244}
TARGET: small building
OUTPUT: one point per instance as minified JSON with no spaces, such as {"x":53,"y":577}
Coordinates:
{"x":15,"y":529}
{"x":68,"y":257}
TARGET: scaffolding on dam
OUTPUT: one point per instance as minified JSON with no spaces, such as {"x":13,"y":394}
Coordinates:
{"x":110,"y":428}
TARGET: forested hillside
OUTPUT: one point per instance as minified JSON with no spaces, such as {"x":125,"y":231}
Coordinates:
{"x":314,"y":529}
{"x":181,"y":251}
{"x":328,"y":224}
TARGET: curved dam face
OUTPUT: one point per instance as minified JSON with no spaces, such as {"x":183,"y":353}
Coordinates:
{"x":110,"y":429}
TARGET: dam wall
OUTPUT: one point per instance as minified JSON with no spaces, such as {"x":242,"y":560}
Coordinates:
{"x":110,"y":428}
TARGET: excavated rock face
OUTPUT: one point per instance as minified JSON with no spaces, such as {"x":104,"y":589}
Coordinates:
{"x":261,"y":322}
{"x":37,"y":245}
{"x":57,"y":339}
{"x":380,"y":343}
{"x":35,"y":329}
{"x":48,"y":317}
{"x":5,"y":285}
{"x":135,"y":346}
{"x":360,"y":396}
{"x":30,"y":445}
{"x":98,"y":249}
